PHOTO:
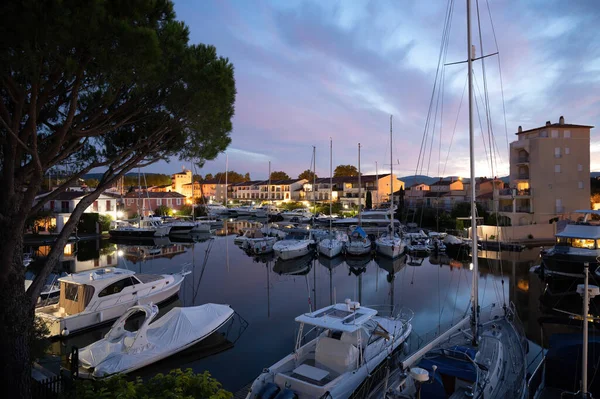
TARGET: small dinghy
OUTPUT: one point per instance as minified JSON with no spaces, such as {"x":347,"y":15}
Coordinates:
{"x":123,"y":351}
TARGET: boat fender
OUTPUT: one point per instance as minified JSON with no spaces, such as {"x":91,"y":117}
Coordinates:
{"x":268,"y":391}
{"x":287,"y":394}
{"x":100,"y":317}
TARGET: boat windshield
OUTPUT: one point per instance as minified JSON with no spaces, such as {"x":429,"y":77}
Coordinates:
{"x":585,"y":243}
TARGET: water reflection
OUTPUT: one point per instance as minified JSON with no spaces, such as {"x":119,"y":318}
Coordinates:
{"x":270,"y":293}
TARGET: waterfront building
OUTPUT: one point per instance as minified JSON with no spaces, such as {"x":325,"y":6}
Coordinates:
{"x":144,"y":203}
{"x":260,"y":190}
{"x":549,"y":173}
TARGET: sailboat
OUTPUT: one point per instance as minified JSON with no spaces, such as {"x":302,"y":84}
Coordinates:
{"x":489,"y":361}
{"x":390,"y":244}
{"x":331,"y":246}
{"x":359,"y":243}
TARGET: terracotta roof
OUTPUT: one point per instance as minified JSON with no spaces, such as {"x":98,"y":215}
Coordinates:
{"x":154,"y":194}
{"x":564,"y":125}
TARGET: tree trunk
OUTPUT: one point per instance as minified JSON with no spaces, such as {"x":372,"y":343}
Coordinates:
{"x":16,"y":320}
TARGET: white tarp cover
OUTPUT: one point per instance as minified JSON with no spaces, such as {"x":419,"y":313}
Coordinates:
{"x":166,"y":336}
{"x":450,"y":239}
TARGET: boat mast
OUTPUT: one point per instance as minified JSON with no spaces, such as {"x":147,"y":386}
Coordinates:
{"x":391,"y":182}
{"x":226,"y":173}
{"x":193,"y":199}
{"x":475,"y":290}
{"x":138,"y":201}
{"x":330,"y":186}
{"x":269,"y":188}
{"x":359,"y":190}
{"x":377,"y":184}
{"x":314,"y":188}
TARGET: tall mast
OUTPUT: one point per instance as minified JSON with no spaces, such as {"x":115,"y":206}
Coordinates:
{"x":330,"y":190}
{"x":377,"y":184}
{"x":193,"y":199}
{"x":391,"y":181}
{"x":138,"y":202}
{"x":475,"y":291}
{"x":269,"y":188}
{"x":359,"y":189}
{"x":314,"y":188}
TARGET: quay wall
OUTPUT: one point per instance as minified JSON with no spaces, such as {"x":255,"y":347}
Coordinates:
{"x":517,"y":233}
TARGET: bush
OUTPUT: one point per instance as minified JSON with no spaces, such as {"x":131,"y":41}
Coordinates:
{"x":177,"y":384}
{"x":186,"y":210}
{"x":530,"y":236}
{"x":163,"y":210}
{"x":38,"y":340}
{"x":492,"y":237}
{"x":104,"y":221}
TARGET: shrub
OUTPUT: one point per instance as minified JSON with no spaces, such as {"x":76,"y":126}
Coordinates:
{"x":530,"y":236}
{"x":492,"y":237}
{"x":104,"y":221}
{"x":177,"y":384}
{"x":163,"y":210}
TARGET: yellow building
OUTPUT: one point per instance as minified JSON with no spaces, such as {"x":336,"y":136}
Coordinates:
{"x":549,"y":173}
{"x":179,"y":179}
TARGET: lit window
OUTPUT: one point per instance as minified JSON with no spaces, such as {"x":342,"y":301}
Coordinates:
{"x":581,"y":185}
{"x":567,"y":150}
{"x":557,"y":152}
{"x":567,"y":134}
{"x":554,"y":134}
{"x":556,"y":168}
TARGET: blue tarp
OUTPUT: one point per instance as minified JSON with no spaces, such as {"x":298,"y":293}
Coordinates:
{"x":358,"y":231}
{"x":563,"y":361}
{"x":450,"y":365}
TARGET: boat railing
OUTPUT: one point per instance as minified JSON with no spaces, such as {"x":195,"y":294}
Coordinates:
{"x":419,"y":341}
{"x":392,"y":312}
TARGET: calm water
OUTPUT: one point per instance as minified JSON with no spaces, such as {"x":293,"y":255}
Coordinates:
{"x":269,"y":294}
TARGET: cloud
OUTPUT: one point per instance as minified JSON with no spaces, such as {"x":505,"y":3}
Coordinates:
{"x":310,"y":70}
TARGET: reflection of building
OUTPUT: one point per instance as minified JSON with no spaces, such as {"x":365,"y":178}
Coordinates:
{"x":82,"y":255}
{"x":141,"y":253}
{"x":549,"y":173}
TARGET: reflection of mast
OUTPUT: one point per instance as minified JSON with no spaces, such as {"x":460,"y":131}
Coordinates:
{"x":360,"y":288}
{"x":331,"y":286}
{"x":268,"y":292}
{"x":314,"y":283}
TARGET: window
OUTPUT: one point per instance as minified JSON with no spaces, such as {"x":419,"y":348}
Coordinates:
{"x":554,"y":134}
{"x":129,"y":201}
{"x":158,"y":202}
{"x":169,"y":201}
{"x":65,"y":206}
{"x":556,"y":168}
{"x":567,"y":134}
{"x":567,"y":150}
{"x":581,"y":185}
{"x":580,"y":167}
{"x":71,"y":292}
{"x":178,"y":201}
{"x":117,"y":287}
{"x":108,"y":206}
{"x":543,"y":133}
{"x":95,"y":206}
{"x":557,"y":152}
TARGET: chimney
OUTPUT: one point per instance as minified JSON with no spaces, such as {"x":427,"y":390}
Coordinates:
{"x":561,"y":120}
{"x":520,"y":129}
{"x":548,"y":123}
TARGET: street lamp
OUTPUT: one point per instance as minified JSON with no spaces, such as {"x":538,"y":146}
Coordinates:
{"x":119,"y":214}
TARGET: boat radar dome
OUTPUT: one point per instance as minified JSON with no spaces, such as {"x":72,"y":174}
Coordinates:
{"x":65,"y":332}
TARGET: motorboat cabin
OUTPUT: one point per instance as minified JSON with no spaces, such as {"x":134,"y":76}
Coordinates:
{"x":91,"y":298}
{"x":351,"y":341}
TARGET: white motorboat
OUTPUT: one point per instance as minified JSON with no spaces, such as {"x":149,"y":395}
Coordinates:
{"x":331,"y":246}
{"x":358,"y":243}
{"x":351,"y":341}
{"x":91,"y":298}
{"x":295,"y":245}
{"x":257,"y":243}
{"x":216,"y":209}
{"x":370,"y":218}
{"x":140,"y":228}
{"x":201,"y":226}
{"x":122,"y":351}
{"x":297,"y":215}
{"x":179,"y":226}
{"x":420,"y":245}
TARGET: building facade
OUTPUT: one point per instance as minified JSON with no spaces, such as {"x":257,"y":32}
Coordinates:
{"x":179,"y":179}
{"x":260,"y":190}
{"x":549,"y":173}
{"x":212,"y":190}
{"x":144,"y":204}
{"x":346,"y":189}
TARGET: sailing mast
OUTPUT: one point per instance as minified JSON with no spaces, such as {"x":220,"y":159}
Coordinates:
{"x":269,"y":188}
{"x":391,"y":182}
{"x":377,"y":184}
{"x":138,"y":201}
{"x":226,"y":173}
{"x":475,"y":290}
{"x":359,"y":190}
{"x":330,"y":186}
{"x":314,"y":188}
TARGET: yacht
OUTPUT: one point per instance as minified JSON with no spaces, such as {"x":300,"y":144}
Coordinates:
{"x":179,"y":226}
{"x":91,"y":298}
{"x":297,"y":216}
{"x":358,"y":243}
{"x":144,"y":227}
{"x":123,"y":351}
{"x":257,"y":243}
{"x":332,"y":245}
{"x":295,"y":245}
{"x":575,"y":245}
{"x":216,"y":209}
{"x":349,"y":342}
{"x":369,"y":218}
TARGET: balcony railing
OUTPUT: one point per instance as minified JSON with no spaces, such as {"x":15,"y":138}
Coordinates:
{"x":519,"y":209}
{"x":518,"y":193}
{"x":522,"y":159}
{"x":523,"y":176}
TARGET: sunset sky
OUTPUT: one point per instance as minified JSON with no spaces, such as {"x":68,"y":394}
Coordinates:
{"x":310,"y":70}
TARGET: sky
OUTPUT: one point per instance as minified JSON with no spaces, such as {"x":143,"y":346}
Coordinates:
{"x":308,"y":71}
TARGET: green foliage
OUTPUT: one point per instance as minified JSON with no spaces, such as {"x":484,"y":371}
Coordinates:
{"x":177,"y":384}
{"x":104,"y":221}
{"x":147,"y":179}
{"x":291,"y":205}
{"x":186,"y":210}
{"x":38,"y":340}
{"x":369,"y":201}
{"x":492,"y":237}
{"x":87,"y":223}
{"x":345,"y":170}
{"x":308,"y":175}
{"x":336,"y":208}
{"x":208,"y":176}
{"x":232,"y":177}
{"x":460,"y":225}
{"x":163,"y":210}
{"x":279,"y":175}
{"x":494,"y":219}
{"x":530,"y":236}
{"x":92,"y":183}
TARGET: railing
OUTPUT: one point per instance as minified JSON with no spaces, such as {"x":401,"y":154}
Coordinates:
{"x":523,"y":176}
{"x":518,"y":193}
{"x":522,"y":159}
{"x":519,"y":209}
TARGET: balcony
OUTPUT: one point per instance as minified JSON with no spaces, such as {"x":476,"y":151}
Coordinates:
{"x":522,"y":160}
{"x":509,"y":192}
{"x":518,"y":209}
{"x":523,"y":176}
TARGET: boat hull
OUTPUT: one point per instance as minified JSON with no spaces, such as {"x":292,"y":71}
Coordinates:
{"x":330,"y":248}
{"x":568,"y":264}
{"x":389,"y":248}
{"x":358,"y":248}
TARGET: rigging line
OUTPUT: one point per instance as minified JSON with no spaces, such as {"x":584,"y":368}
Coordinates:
{"x":445,"y":32}
{"x":485,"y":89}
{"x":455,"y":125}
{"x":479,"y":119}
{"x":500,"y":76}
